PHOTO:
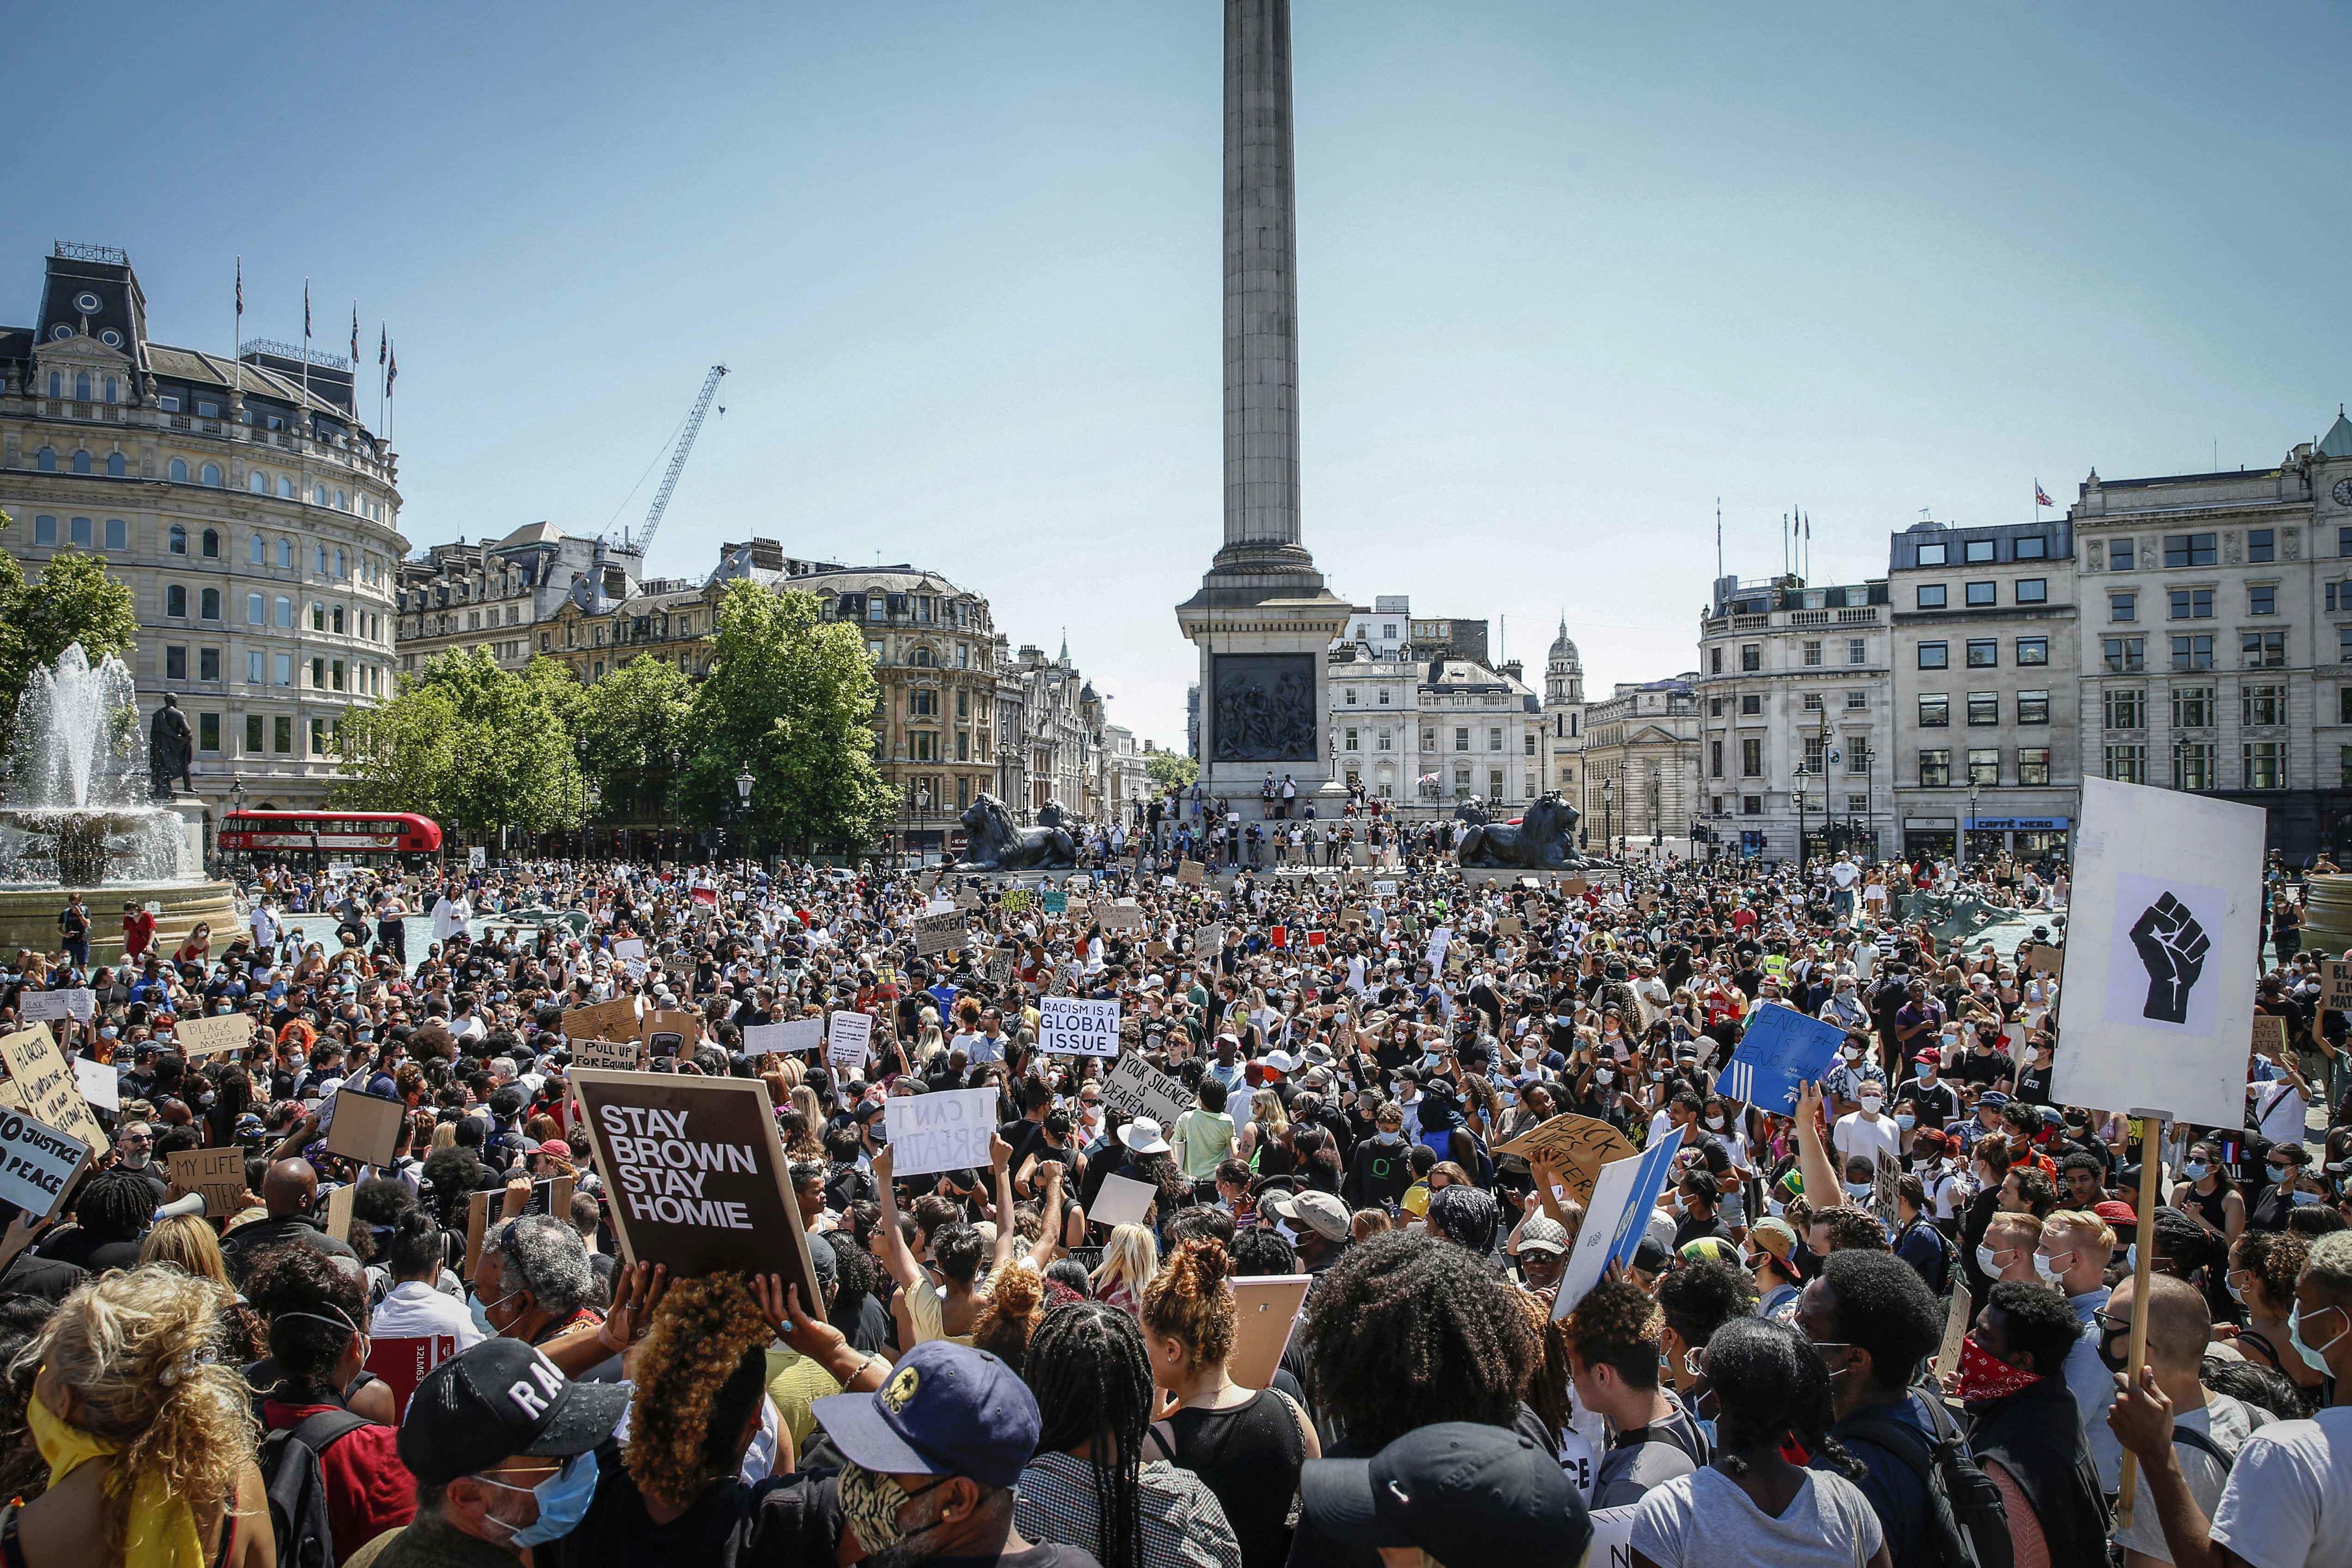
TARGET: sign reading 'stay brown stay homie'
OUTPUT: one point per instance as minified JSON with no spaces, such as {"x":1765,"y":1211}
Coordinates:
{"x":695,"y":1175}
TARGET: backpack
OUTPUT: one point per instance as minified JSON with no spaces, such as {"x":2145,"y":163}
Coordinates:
{"x":1967,"y":1524}
{"x":298,"y":1489}
{"x":1940,"y":1283}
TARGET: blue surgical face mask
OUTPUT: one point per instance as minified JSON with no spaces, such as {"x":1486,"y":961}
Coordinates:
{"x":2314,"y":1356}
{"x":2196,"y":1170}
{"x":2301,"y":1197}
{"x":1857,"y":1190}
{"x":563,"y":1500}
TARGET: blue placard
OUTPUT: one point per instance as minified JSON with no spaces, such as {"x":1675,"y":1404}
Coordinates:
{"x":1781,"y":1049}
{"x":1649,"y":1183}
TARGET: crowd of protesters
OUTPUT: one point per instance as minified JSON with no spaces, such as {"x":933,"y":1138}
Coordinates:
{"x":990,"y":1377}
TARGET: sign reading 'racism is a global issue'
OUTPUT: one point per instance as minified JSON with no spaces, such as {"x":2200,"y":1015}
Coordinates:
{"x":695,"y":1177}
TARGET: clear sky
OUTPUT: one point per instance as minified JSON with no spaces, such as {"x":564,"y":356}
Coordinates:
{"x":1569,"y":273}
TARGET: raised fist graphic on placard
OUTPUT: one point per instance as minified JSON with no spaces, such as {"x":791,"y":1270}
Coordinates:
{"x":2172,"y":948}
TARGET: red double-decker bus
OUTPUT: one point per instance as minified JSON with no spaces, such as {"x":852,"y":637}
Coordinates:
{"x":338,"y":832}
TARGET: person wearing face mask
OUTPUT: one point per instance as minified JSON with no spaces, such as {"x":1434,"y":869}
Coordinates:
{"x":2264,"y":1268}
{"x":2203,"y":1429}
{"x":2007,"y":1251}
{"x":1378,"y":1173}
{"x":1854,"y":1069}
{"x":1866,"y":1133}
{"x":2209,"y":1195}
{"x":1931,"y":1101}
{"x":2282,"y":1166}
{"x":506,"y":1453}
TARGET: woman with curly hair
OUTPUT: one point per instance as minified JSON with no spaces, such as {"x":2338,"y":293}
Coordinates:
{"x":1246,"y":1445}
{"x":1751,"y":1504}
{"x":1089,"y":1486}
{"x":187,"y":1243}
{"x":148,"y":1442}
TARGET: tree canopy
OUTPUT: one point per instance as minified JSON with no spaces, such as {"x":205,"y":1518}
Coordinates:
{"x":468,"y":743}
{"x":74,"y":600}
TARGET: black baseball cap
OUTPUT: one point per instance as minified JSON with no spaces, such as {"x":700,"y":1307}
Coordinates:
{"x":500,"y":1400}
{"x":1477,"y":1493}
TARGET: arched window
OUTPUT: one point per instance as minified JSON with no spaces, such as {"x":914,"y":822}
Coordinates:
{"x":78,"y":533}
{"x":920,"y":658}
{"x":286,"y":554}
{"x":112,"y":389}
{"x":209,"y":603}
{"x":258,"y":482}
{"x":175,"y":601}
{"x":340,"y":564}
{"x":82,"y":462}
{"x":319,"y":555}
{"x":176,"y":541}
{"x":211,"y":545}
{"x":117,"y":468}
{"x":257,"y":551}
{"x":212,"y":474}
{"x":46,"y":459}
{"x":178,"y":471}
{"x":257,"y":610}
{"x":56,"y":384}
{"x":82,"y":386}
{"x":335,"y":619}
{"x":343,"y":502}
{"x":285,"y":487}
{"x":318,"y":495}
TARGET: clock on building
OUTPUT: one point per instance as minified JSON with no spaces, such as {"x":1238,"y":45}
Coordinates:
{"x":2343,"y":492}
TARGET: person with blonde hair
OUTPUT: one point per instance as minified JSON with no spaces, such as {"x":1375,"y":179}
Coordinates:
{"x":187,"y":1242}
{"x":1129,"y":1260}
{"x":149,"y":1442}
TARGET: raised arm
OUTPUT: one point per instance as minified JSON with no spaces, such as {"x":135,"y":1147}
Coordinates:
{"x":896,"y":1258}
{"x":1000,"y":1161}
{"x":1049,"y":1228}
{"x":1816,"y":1166}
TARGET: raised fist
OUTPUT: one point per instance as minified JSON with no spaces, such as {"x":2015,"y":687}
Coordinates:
{"x":2172,"y":948}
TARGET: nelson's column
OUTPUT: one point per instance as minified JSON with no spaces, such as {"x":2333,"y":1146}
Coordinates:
{"x":1263,"y":618}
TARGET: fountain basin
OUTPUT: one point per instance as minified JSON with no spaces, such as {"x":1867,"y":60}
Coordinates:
{"x":28,"y":916}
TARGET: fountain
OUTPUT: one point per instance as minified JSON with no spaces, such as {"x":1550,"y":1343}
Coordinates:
{"x":78,"y":810}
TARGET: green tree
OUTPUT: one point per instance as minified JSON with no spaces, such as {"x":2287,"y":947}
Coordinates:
{"x":633,"y":726}
{"x":789,"y":698}
{"x":73,"y":601}
{"x":1168,"y":768}
{"x":467,"y":743}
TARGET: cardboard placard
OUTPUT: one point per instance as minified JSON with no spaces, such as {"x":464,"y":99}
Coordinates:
{"x":1955,"y":1329}
{"x":1885,"y":1176}
{"x":614,"y":1020}
{"x":339,"y":1211}
{"x":2043,"y":958}
{"x":1002,"y":962}
{"x":98,"y":1084}
{"x":939,"y":932}
{"x":670,"y":1032}
{"x":1576,"y":887}
{"x":1191,"y":873}
{"x":629,"y":947}
{"x":549,"y":1196}
{"x":1582,"y":1144}
{"x":1155,"y":949}
{"x":54,"y":1007}
{"x":2270,"y":1036}
{"x":1509,"y":925}
{"x":1122,"y":1200}
{"x":50,"y":1089}
{"x":1124,"y":915}
{"x":36,"y":1164}
{"x":364,"y":1127}
{"x":848,"y":1040}
{"x":693,"y":1175}
{"x":1265,"y":1311}
{"x":211,"y":1036}
{"x":791,"y":1034}
{"x":218,"y":1174}
{"x":2336,"y":983}
{"x":944,"y":1132}
{"x":1135,"y":1088}
{"x":613,"y":1056}
{"x":1077,"y":1027}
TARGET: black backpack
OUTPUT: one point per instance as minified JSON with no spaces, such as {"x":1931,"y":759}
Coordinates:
{"x":298,"y":1489}
{"x":1967,"y":1524}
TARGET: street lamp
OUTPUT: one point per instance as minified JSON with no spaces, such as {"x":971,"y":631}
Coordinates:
{"x":1607,"y":814}
{"x":1960,"y":840}
{"x":923,"y":811}
{"x":594,"y":798}
{"x":743,"y":782}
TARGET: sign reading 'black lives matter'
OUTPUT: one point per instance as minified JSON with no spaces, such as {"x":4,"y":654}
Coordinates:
{"x":695,"y":1177}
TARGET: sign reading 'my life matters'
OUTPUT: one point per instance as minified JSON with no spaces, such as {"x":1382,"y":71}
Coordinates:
{"x":1077,"y":1027}
{"x":944,"y":1132}
{"x":695,"y":1178}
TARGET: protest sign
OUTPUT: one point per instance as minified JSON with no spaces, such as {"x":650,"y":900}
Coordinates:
{"x":998,"y":970}
{"x":2163,"y":934}
{"x":629,"y":947}
{"x":1122,"y":1200}
{"x":1886,"y":1176}
{"x":36,"y":1164}
{"x":941,"y":931}
{"x":695,"y":1175}
{"x":210,"y":1037}
{"x":2270,"y":1035}
{"x":1014,"y":901}
{"x":99,"y":1083}
{"x":1581,"y":1144}
{"x":1055,"y":900}
{"x":1124,"y":915}
{"x":1615,"y":1220}
{"x":967,"y":899}
{"x":614,"y":1020}
{"x":1135,"y":1088}
{"x":1080,"y":910}
{"x":1955,"y":1329}
{"x":218,"y":1174}
{"x":51,"y":1091}
{"x":1438,"y":941}
{"x":364,"y":1127}
{"x":402,"y":1362}
{"x":1780,"y":1049}
{"x":1509,"y":925}
{"x":791,"y":1034}
{"x":1077,"y":1027}
{"x":613,"y":1055}
{"x":1266,"y":1310}
{"x":2335,"y":984}
{"x":339,"y":1211}
{"x":944,"y":1132}
{"x":1155,"y":949}
{"x":2043,"y":958}
{"x":848,"y":1040}
{"x":56,"y":1006}
{"x":1210,"y":939}
{"x":1576,"y":887}
{"x":1191,"y":873}
{"x":1384,"y":888}
{"x":1613,"y":1537}
{"x":670,"y":1032}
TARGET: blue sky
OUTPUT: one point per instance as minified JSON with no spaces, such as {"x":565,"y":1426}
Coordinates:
{"x":1569,"y":273}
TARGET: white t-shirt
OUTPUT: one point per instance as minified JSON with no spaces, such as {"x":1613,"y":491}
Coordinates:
{"x":2225,"y":1421}
{"x":1856,"y":1136}
{"x":2283,"y":1112}
{"x":1705,"y":1518}
{"x":2289,"y":1500}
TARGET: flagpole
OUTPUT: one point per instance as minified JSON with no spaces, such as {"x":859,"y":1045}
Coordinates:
{"x":306,"y":349}
{"x":236,"y":334}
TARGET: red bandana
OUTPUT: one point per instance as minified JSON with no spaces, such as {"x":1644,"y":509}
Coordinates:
{"x":1985,"y":1377}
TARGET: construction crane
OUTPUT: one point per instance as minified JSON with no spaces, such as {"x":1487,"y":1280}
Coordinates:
{"x":642,"y":540}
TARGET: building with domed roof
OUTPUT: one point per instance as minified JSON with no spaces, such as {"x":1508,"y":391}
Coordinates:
{"x":1564,"y":718}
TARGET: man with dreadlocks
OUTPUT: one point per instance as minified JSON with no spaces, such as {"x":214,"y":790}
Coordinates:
{"x":1088,"y":1486}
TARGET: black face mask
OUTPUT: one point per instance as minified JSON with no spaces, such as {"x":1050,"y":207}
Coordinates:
{"x":2111,"y":1359}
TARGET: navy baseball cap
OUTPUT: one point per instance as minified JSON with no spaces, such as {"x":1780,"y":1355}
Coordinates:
{"x":1477,"y":1493}
{"x":947,"y":1410}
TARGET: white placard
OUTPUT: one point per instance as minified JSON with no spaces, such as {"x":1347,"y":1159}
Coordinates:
{"x":1077,"y":1027}
{"x":54,"y":1007}
{"x":1438,"y":941}
{"x":478,"y":857}
{"x":99,"y":1086}
{"x":933,"y":1133}
{"x":630,"y":947}
{"x":792,"y":1035}
{"x":848,"y":1042}
{"x":37,"y":1163}
{"x":1124,"y":915}
{"x":1384,"y":888}
{"x":1123,"y":1200}
{"x":1135,"y":1088}
{"x":2162,"y":955}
